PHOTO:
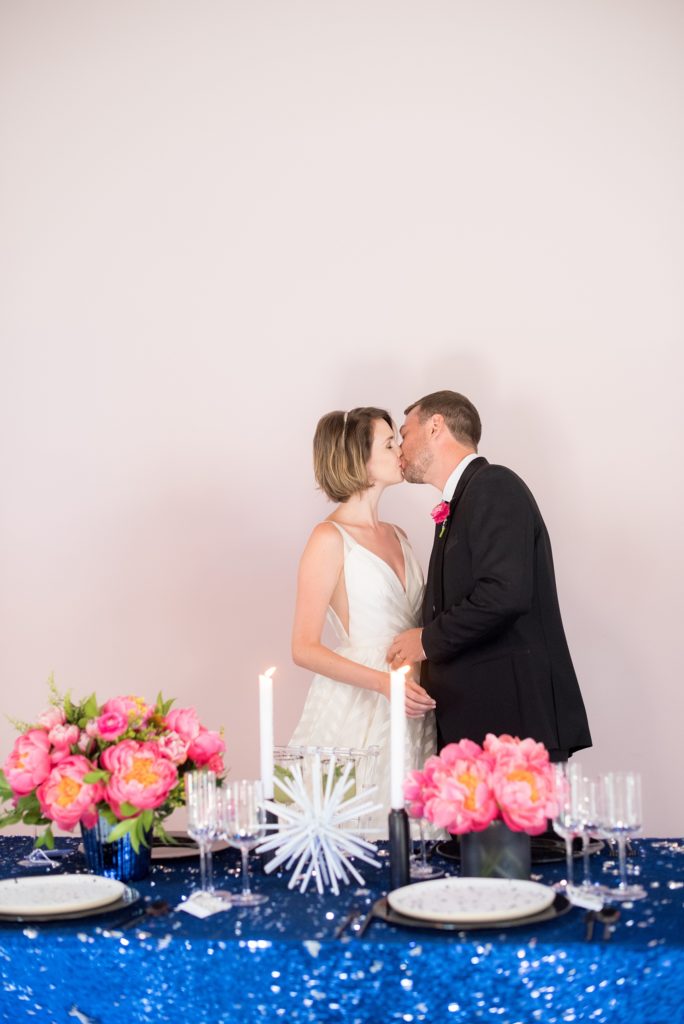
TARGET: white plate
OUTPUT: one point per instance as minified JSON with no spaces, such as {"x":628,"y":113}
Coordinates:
{"x":57,"y":894}
{"x":471,"y":899}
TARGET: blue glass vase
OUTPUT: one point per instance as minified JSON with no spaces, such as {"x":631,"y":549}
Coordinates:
{"x":117,"y":859}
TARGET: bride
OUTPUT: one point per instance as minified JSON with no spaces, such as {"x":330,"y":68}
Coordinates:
{"x":362,"y":575}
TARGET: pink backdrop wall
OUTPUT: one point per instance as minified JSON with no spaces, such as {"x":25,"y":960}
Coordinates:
{"x":220,"y":220}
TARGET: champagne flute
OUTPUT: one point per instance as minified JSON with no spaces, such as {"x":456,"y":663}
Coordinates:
{"x":200,"y":799}
{"x":622,"y":819}
{"x":242,"y":821}
{"x":566,"y":821}
{"x":589,"y":822}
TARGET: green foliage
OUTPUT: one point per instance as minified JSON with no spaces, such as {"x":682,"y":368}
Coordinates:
{"x":163,"y":707}
{"x":136,"y":828}
{"x":121,"y":829}
{"x":107,"y":813}
{"x":99,"y":775}
{"x":91,"y":707}
{"x":11,"y":818}
{"x":162,"y":835}
{"x":18,"y":724}
{"x":46,"y":838}
{"x":5,"y":788}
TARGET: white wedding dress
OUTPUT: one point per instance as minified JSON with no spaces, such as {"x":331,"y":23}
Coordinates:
{"x":342,"y":715}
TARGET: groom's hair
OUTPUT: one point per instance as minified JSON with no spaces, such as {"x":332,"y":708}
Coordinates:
{"x":342,"y":447}
{"x":460,"y":415}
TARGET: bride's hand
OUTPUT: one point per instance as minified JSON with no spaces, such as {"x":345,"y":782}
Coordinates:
{"x":417,"y":701}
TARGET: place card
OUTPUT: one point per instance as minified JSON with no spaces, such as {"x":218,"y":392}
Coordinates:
{"x":203,"y":904}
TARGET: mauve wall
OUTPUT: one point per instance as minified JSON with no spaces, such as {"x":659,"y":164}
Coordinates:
{"x":220,"y":220}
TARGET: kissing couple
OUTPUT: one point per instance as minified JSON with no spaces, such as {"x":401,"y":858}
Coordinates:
{"x":483,"y":636}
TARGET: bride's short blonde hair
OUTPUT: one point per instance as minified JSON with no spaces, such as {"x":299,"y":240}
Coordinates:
{"x":342,"y":447}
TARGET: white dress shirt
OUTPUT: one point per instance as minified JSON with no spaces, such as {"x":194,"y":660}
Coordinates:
{"x":452,"y":481}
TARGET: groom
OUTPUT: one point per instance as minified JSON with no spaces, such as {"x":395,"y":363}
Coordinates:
{"x":494,"y":653}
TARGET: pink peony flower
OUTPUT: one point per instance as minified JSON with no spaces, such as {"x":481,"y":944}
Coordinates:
{"x":523,"y":782}
{"x":29,"y":762}
{"x":415,"y":785}
{"x":215,"y":764}
{"x":464,"y":750}
{"x":58,"y":754}
{"x":111,"y":724}
{"x":457,"y":794}
{"x":141,"y":775}
{"x":173,"y":747}
{"x":65,"y":798}
{"x":205,"y":746}
{"x":64,"y":736}
{"x":501,"y":748}
{"x":132,"y":707}
{"x":52,"y":717}
{"x":185,"y":722}
{"x":84,"y":743}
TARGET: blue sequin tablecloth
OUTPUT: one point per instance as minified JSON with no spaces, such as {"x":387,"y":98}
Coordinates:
{"x":281,"y":960}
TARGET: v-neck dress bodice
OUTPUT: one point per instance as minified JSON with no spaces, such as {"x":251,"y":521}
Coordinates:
{"x":379,"y":605}
{"x":342,"y":715}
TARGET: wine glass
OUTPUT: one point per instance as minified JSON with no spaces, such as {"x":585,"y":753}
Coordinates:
{"x":418,"y":862}
{"x":567,"y":819}
{"x":201,"y":803}
{"x":622,"y":819}
{"x":241,"y":821}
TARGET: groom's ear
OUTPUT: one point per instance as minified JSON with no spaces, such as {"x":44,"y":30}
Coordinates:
{"x":436,"y":424}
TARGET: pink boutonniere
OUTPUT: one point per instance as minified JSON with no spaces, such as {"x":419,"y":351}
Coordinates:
{"x":440,"y":514}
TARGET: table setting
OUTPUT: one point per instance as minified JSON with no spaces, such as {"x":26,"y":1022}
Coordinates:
{"x":275,"y":903}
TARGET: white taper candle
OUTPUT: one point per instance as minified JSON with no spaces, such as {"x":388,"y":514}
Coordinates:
{"x":397,"y":737}
{"x":266,"y":731}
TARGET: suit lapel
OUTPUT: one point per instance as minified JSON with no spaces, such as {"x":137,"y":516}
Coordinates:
{"x":438,"y":548}
{"x":429,"y":596}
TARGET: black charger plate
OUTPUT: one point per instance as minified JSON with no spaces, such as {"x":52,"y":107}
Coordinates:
{"x":128,"y":899}
{"x":544,"y":849}
{"x":384,"y":912}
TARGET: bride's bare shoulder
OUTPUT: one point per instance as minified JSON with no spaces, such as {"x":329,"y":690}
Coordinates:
{"x":325,"y":536}
{"x":397,"y":529}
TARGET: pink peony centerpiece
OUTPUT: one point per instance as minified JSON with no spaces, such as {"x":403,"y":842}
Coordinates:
{"x":123,"y":761}
{"x":467,"y":787}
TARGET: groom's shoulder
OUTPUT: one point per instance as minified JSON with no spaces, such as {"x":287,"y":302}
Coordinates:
{"x":493,"y":477}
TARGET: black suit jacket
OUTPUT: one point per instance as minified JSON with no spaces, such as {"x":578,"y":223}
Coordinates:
{"x":497,"y":657}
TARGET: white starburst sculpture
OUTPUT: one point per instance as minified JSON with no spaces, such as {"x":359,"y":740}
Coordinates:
{"x":311,"y":833}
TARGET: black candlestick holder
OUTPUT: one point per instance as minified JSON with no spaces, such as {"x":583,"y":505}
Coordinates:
{"x":399,"y":848}
{"x":270,"y":819}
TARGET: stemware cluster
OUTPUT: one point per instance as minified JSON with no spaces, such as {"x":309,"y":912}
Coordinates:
{"x":607,"y":807}
{"x":232,"y":812}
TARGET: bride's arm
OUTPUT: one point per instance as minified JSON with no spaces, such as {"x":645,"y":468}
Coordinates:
{"x":319,"y":572}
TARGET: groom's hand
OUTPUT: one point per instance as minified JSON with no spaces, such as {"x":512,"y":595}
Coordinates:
{"x":417,"y":701}
{"x":406,"y":649}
